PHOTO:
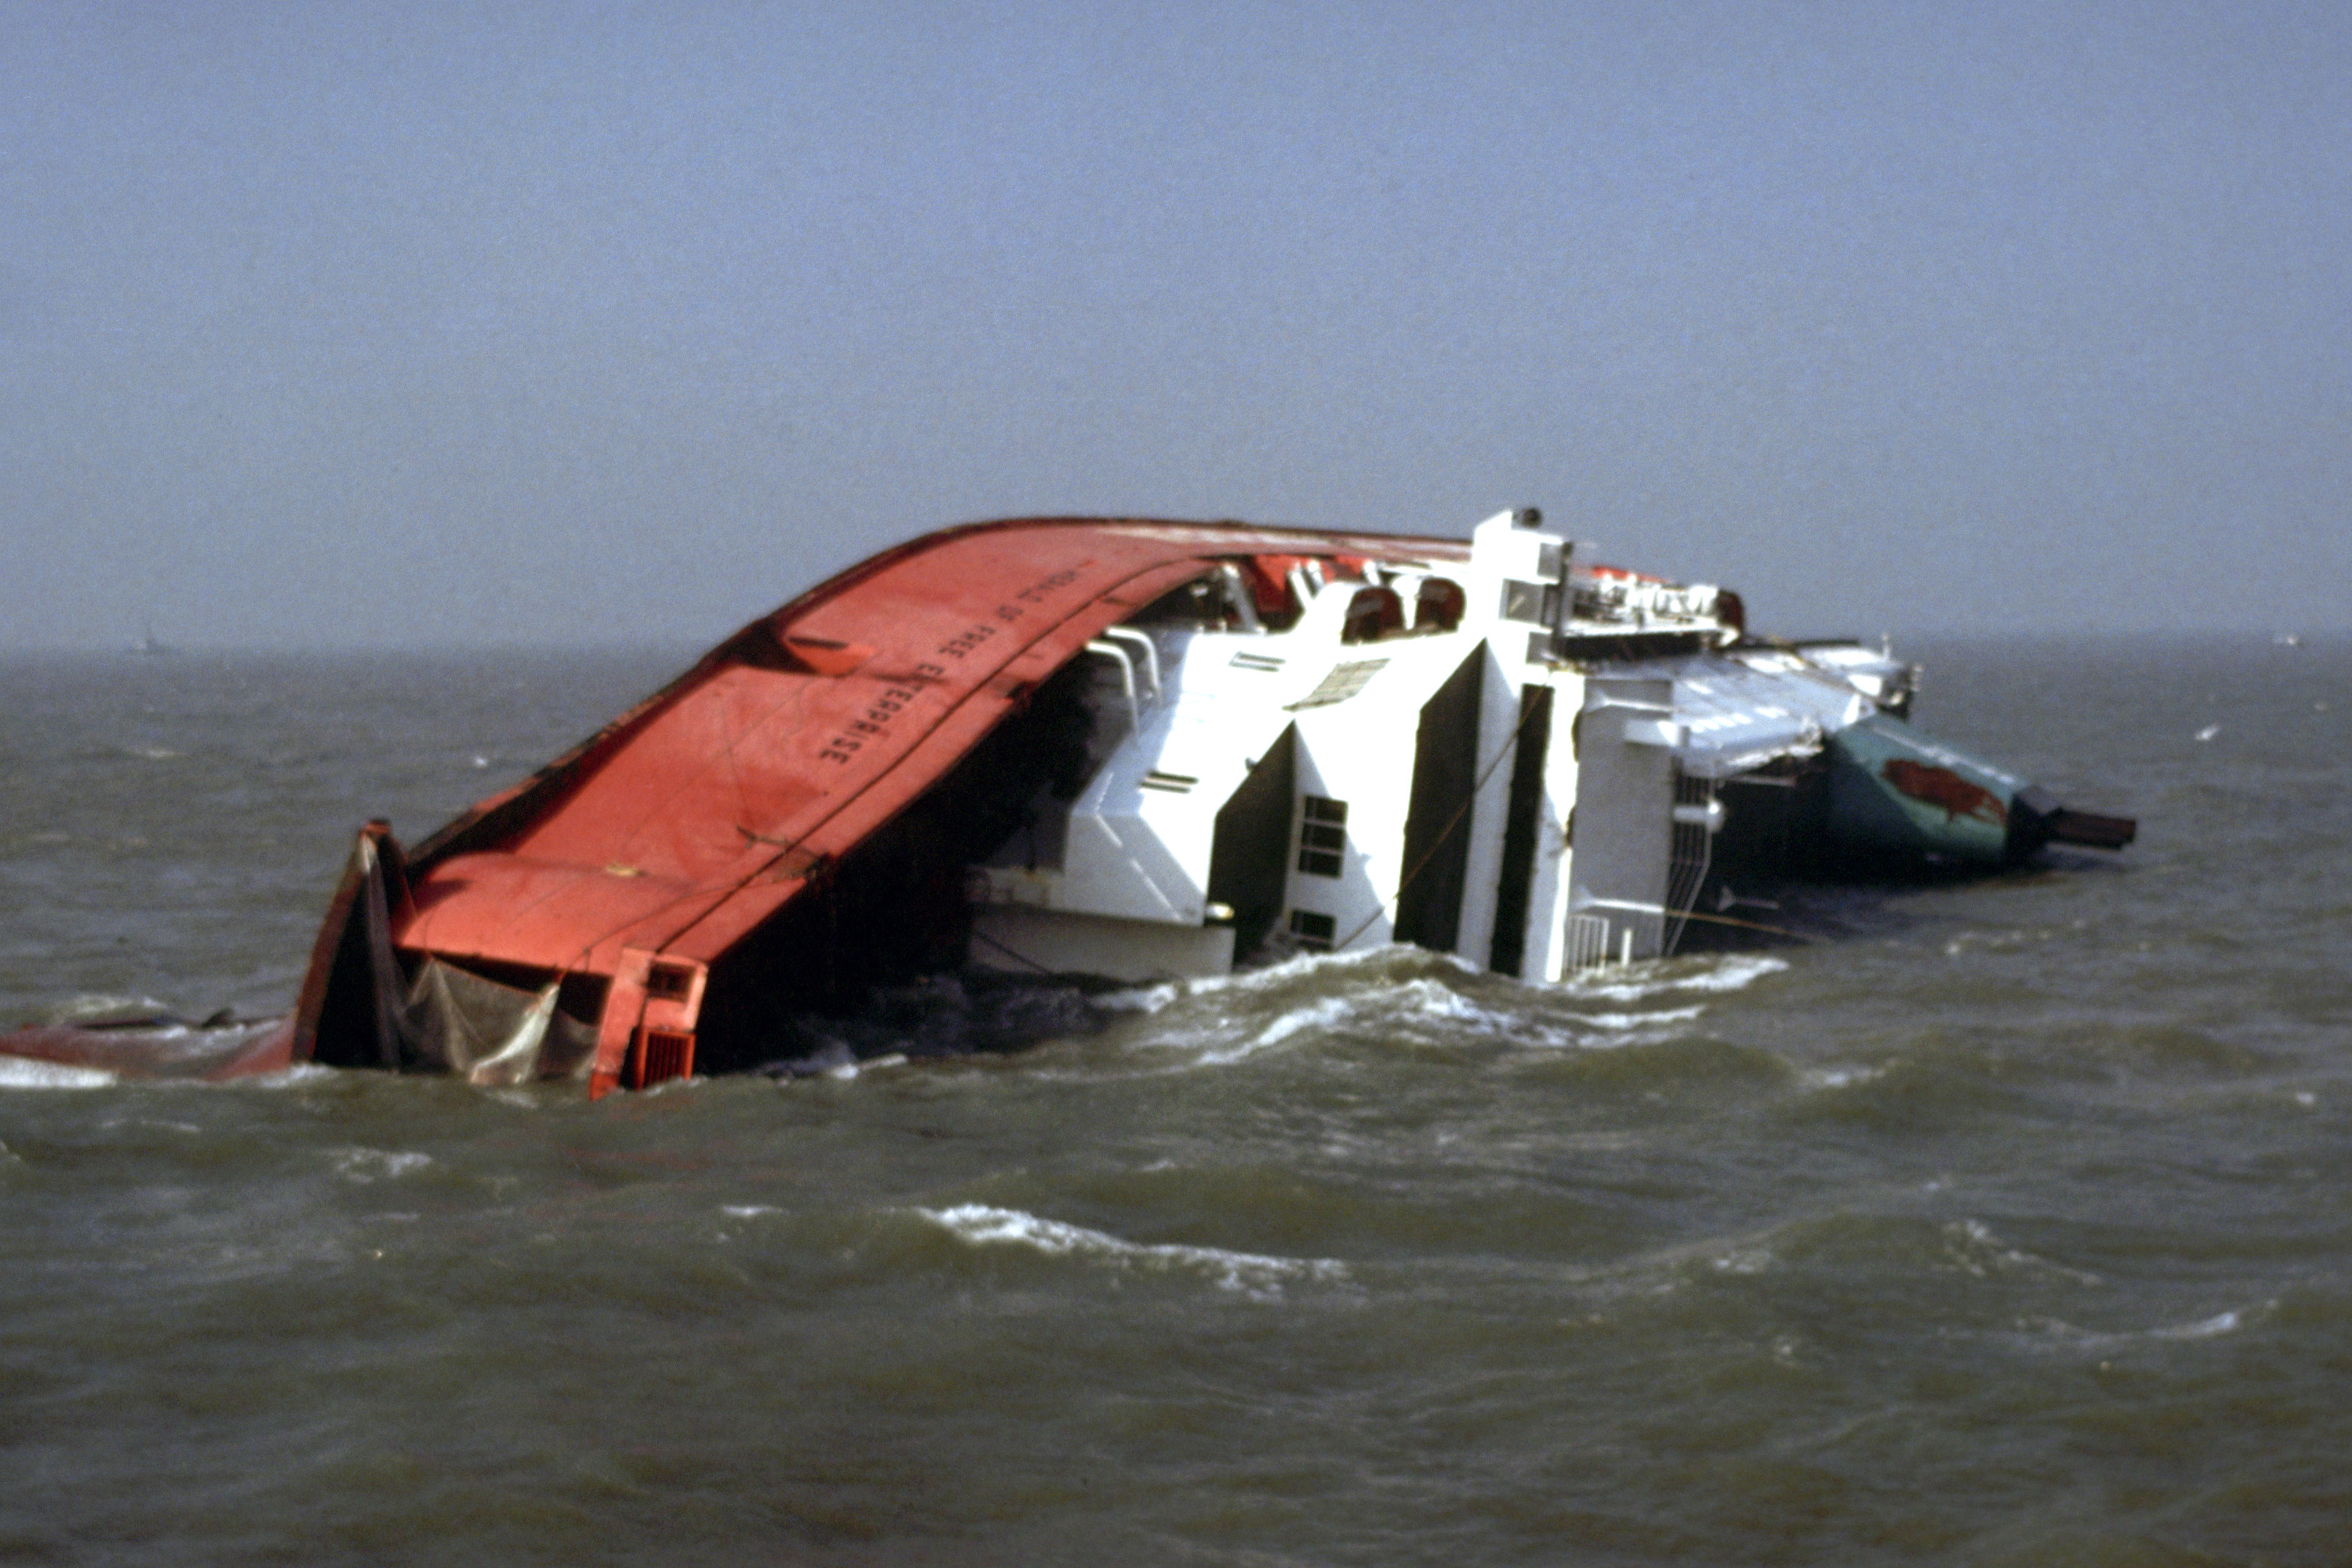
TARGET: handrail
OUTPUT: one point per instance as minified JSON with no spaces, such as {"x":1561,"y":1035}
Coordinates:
{"x":1150,"y":651}
{"x":1112,"y":651}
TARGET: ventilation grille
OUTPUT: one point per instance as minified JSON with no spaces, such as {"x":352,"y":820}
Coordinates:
{"x":1174,"y":784}
{"x":1264,"y":663}
{"x":1343,"y":682}
{"x":657,"y":1056}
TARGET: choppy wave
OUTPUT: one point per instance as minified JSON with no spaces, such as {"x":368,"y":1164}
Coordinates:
{"x":366,"y":1166}
{"x":1324,"y":1013}
{"x":1974,"y":1248}
{"x":2228,"y":1323}
{"x":2061,"y":1335}
{"x":1404,"y":997}
{"x":2006,"y":1224}
{"x":1248,"y":1274}
{"x":1732,"y":973}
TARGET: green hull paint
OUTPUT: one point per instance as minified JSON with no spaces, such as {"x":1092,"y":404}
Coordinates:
{"x":1895,"y":790}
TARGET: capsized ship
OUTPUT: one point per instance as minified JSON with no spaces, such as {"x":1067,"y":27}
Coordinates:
{"x":1130,"y":749}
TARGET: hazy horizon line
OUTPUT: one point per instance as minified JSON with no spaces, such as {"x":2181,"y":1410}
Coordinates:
{"x":693,"y":646}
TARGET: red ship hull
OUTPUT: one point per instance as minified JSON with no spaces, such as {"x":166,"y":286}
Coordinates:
{"x":649,"y":854}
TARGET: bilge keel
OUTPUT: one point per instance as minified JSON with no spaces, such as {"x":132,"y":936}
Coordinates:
{"x":1132,"y":749}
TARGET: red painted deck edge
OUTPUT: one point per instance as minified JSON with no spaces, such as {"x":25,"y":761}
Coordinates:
{"x":681,"y":826}
{"x":908,"y":603}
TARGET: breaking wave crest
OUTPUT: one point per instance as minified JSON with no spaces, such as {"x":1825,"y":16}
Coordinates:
{"x":367,"y":1166}
{"x":1248,"y":1274}
{"x":1734,"y":972}
{"x":1400,"y":997}
{"x":1395,"y":997}
{"x":2060,"y":1335}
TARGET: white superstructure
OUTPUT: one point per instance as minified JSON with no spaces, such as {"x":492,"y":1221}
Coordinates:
{"x":1514,"y":758}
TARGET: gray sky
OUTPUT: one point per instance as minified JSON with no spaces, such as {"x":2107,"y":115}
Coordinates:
{"x":344,"y":322}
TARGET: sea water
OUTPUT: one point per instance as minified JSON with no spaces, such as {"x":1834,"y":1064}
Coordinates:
{"x":1999,"y":1222}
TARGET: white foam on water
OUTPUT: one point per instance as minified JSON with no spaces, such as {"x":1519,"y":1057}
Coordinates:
{"x":1628,"y":1039}
{"x":1733,"y":973}
{"x":1744,"y":1260}
{"x":748,"y":1211}
{"x":1146,"y":999}
{"x":2098,"y":1341}
{"x":1412,"y":1001}
{"x":1994,"y":939}
{"x":366,"y":1165}
{"x":1641,"y":1020}
{"x":2203,"y":1328}
{"x":1434,"y":999}
{"x":17,"y":1073}
{"x":1666,"y":1270}
{"x":1213,"y":1036}
{"x":1247,"y":1274}
{"x":1972,"y":1246}
{"x":1277,"y":975}
{"x":1607,"y":1031}
{"x":1320,"y":1013}
{"x":1218,"y":1039}
{"x":1622,"y":1033}
{"x":293,"y":1077}
{"x":1839,"y":1077}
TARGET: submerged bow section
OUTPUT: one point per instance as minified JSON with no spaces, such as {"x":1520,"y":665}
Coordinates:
{"x":1134,"y":749}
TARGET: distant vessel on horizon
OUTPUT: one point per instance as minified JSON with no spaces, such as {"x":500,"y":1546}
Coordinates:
{"x":148,"y":646}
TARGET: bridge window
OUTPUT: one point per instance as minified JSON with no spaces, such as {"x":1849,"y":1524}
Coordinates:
{"x":1438,"y":606}
{"x":1373,"y":614}
{"x":1311,"y":931}
{"x":1323,"y":837}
